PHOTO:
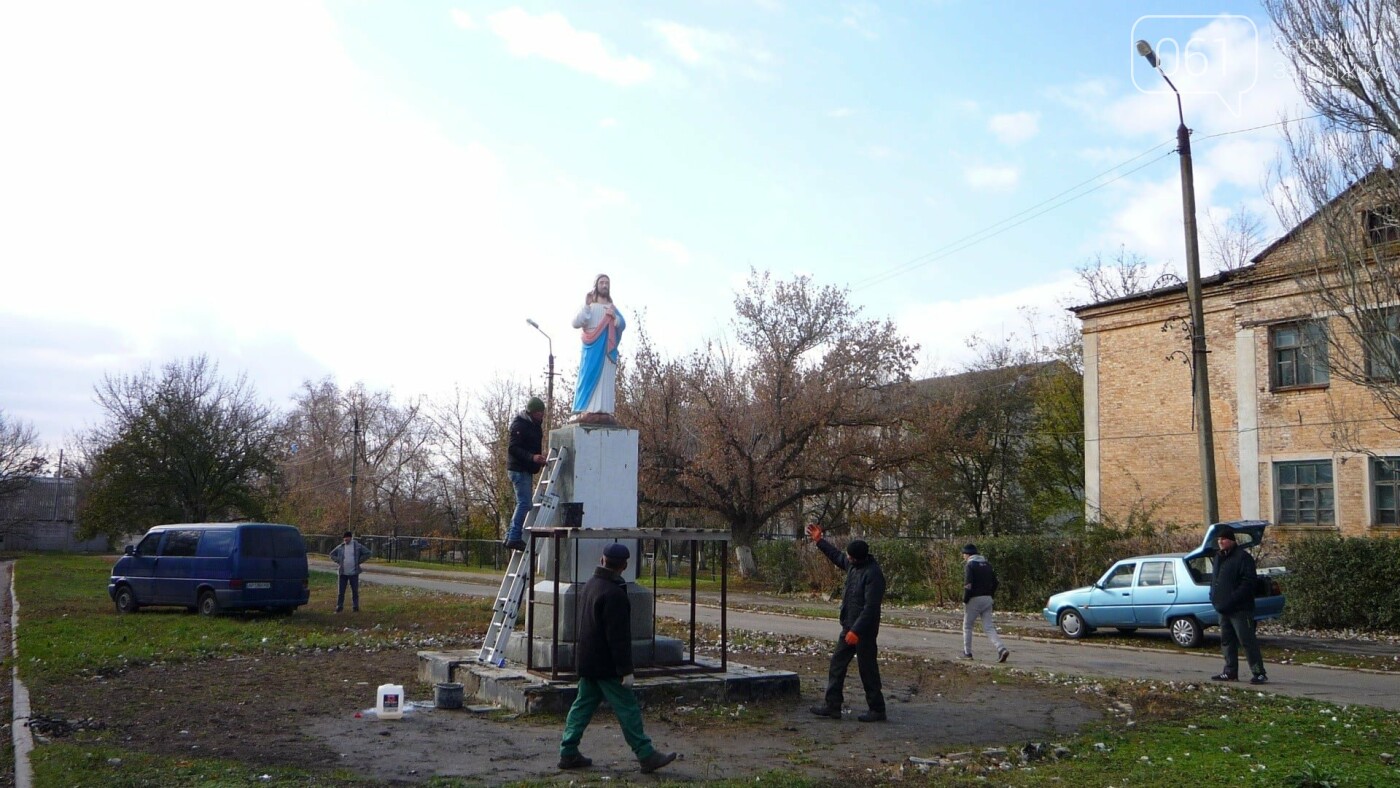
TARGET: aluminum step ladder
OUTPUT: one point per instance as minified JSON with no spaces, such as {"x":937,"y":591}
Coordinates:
{"x":544,"y":512}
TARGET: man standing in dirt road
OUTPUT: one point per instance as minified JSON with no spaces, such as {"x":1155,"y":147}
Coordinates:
{"x":1232,"y":595}
{"x":604,"y":651}
{"x":860,"y":626}
{"x":979,"y":586}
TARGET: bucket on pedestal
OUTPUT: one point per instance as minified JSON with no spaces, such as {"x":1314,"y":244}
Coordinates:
{"x":572,"y":514}
{"x":449,"y":695}
{"x":389,"y":705}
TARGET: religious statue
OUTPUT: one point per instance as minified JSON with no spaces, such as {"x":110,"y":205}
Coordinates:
{"x":596,"y":396}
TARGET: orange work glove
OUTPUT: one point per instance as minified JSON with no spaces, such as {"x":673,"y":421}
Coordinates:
{"x":814,"y":532}
{"x":852,"y":639}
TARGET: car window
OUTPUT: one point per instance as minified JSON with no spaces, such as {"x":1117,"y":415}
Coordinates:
{"x":149,"y":544}
{"x":217,"y":544}
{"x":1157,"y":573}
{"x":1202,"y":569}
{"x":1121,"y":576}
{"x":180,"y":543}
{"x":272,"y":543}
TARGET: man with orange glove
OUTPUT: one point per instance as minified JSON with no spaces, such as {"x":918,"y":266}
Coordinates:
{"x":860,"y":626}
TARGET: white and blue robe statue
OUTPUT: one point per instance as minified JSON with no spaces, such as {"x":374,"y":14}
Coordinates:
{"x":597,"y":372}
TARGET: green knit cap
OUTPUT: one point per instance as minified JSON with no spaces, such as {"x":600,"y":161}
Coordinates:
{"x":535,"y":405}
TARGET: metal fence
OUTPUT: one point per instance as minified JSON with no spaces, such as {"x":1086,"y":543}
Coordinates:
{"x":673,"y":560}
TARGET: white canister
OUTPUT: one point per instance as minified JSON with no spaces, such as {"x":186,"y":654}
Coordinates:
{"x":389,"y":705}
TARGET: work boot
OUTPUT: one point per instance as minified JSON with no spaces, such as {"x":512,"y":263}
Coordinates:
{"x":826,"y":711}
{"x":656,"y":760}
{"x":515,"y":544}
{"x":872,"y":716}
{"x":575,"y":761}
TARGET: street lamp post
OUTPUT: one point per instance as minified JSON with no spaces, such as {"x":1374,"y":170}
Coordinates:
{"x":1200,"y":380}
{"x":549,"y":396}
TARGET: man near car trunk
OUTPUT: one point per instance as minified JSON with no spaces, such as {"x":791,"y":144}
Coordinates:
{"x":1232,"y":596}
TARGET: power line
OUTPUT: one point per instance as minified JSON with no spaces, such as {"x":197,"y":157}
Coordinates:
{"x":999,"y":227}
{"x":1043,"y":207}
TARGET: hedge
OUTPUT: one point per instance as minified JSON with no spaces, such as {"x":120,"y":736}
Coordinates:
{"x":1343,"y":583}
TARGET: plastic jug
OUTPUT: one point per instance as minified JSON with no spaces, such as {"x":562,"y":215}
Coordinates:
{"x":389,"y":706}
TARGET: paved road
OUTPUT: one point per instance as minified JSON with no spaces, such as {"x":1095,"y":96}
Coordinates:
{"x":1079,"y":658}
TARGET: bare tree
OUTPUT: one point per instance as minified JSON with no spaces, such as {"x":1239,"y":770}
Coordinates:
{"x":20,"y":456}
{"x":1125,"y":274}
{"x":1339,"y":187}
{"x":469,"y":442}
{"x":20,"y":461}
{"x":1232,"y":242}
{"x":800,"y":406}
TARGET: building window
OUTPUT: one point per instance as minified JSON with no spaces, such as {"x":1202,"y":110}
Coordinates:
{"x":1299,"y":352}
{"x":1383,"y":225}
{"x":1381,"y":339}
{"x":1304,"y":492}
{"x":1385,"y":490}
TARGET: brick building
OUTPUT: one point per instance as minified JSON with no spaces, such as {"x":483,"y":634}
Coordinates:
{"x":1295,"y":443}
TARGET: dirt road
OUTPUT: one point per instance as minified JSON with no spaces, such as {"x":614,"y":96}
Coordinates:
{"x":1049,"y":654}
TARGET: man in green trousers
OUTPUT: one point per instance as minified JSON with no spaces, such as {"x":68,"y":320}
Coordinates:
{"x":604,"y":650}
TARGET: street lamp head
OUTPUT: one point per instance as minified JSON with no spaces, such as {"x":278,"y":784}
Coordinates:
{"x":1145,"y":49}
{"x":531,"y":322}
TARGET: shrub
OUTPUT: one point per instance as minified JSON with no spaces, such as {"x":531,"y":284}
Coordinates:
{"x":779,"y":564}
{"x":905,"y":563}
{"x":1340,"y":583}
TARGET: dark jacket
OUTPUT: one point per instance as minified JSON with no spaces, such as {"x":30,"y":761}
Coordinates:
{"x":1232,"y":588}
{"x":605,"y":633}
{"x":526,"y":438}
{"x":979,"y":578}
{"x":865,"y":591}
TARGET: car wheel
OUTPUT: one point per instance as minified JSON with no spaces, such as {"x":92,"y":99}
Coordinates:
{"x":1186,"y":631}
{"x":1127,"y":630}
{"x":208,"y":604}
{"x":1072,"y":624}
{"x":125,"y":600}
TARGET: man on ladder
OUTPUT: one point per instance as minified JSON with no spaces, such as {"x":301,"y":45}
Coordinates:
{"x":525,"y":459}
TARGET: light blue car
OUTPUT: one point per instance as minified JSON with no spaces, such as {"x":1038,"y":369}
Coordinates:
{"x":1169,"y":590}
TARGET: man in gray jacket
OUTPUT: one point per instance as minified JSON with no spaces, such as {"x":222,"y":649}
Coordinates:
{"x":348,"y":556}
{"x":979,"y":586}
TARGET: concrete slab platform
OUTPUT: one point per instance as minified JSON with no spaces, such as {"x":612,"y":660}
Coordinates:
{"x":511,"y":687}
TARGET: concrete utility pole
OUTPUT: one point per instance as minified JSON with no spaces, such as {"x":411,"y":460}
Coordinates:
{"x":549,"y":398}
{"x":354,"y":468}
{"x":1200,"y":381}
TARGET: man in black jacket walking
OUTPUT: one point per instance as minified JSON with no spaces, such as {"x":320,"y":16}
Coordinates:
{"x":523,"y":461}
{"x":1232,"y":596}
{"x":860,"y":626}
{"x":604,"y":650}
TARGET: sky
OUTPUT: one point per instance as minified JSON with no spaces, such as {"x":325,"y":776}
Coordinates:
{"x":383,"y":192}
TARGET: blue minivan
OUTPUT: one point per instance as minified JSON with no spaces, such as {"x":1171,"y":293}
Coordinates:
{"x":214,"y":567}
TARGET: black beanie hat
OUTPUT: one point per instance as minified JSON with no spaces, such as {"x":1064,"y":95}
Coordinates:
{"x":970,"y":549}
{"x":858,"y":550}
{"x":1225,"y":532}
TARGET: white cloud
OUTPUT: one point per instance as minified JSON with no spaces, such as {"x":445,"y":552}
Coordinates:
{"x":463,"y":19}
{"x":261,"y":209}
{"x":675,"y":250}
{"x":550,"y":36}
{"x":992,"y":178}
{"x":863,"y":18}
{"x":699,"y":48}
{"x":942,"y":327}
{"x":1014,"y":128}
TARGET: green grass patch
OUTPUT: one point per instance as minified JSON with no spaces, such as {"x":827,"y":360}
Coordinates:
{"x":70,"y":629}
{"x":1207,"y":736}
{"x":64,"y":764}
